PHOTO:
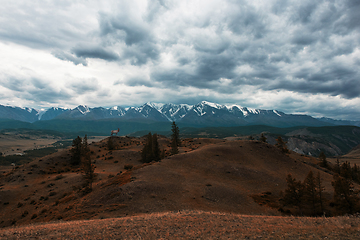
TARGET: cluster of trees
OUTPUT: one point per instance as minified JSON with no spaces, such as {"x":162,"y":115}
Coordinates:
{"x":81,"y":154}
{"x":151,"y":150}
{"x":308,"y":196}
{"x":346,"y":171}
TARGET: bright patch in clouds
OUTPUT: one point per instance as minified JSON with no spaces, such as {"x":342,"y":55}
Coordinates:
{"x":293,"y":56}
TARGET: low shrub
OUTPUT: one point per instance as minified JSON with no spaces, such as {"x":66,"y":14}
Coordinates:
{"x":128,"y":166}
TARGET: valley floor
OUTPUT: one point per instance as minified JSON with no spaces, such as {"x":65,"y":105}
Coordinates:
{"x":192,"y":225}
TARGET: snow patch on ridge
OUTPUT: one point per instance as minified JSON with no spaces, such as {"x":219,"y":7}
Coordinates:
{"x":276,"y":112}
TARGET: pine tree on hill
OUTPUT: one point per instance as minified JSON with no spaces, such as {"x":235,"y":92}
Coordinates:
{"x":310,"y":193}
{"x":76,"y":151}
{"x":320,"y":189}
{"x":337,"y":167}
{"x":293,"y":193}
{"x":88,"y":167}
{"x":175,"y":139}
{"x":323,"y":161}
{"x":281,"y":144}
{"x":155,"y":148}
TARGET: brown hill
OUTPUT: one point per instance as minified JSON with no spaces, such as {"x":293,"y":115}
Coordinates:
{"x":208,"y":175}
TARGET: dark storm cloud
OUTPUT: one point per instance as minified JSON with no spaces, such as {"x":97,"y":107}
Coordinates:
{"x":122,"y":26}
{"x":310,"y":24}
{"x":141,"y":53}
{"x":140,"y":45}
{"x":212,"y":68}
{"x":95,"y":52}
{"x":245,"y":19}
{"x":69,"y":57}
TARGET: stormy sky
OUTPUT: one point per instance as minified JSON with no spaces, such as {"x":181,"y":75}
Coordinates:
{"x":294,"y":56}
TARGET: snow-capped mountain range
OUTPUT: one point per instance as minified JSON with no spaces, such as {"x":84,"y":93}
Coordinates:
{"x":202,"y":114}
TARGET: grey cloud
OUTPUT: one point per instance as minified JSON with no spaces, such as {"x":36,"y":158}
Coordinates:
{"x":13,"y":83}
{"x":174,"y":78}
{"x":305,"y":11}
{"x":140,"y":46}
{"x":95,"y":52}
{"x":246,"y":20}
{"x":48,"y":95}
{"x":155,"y":8}
{"x":209,"y":69}
{"x":212,"y":46}
{"x":69,"y":57}
{"x":215,"y":67}
{"x":334,"y":80}
{"x":85,"y":86}
{"x":303,"y":39}
{"x":141,"y":53}
{"x":35,"y":89}
{"x":138,"y":82}
{"x":351,"y":16}
{"x":134,"y":33}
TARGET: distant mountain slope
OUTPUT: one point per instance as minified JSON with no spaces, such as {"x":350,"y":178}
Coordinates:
{"x":340,"y":122}
{"x":17,"y":113}
{"x":203,"y":114}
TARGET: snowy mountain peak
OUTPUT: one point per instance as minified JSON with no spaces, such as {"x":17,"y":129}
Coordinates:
{"x":83,"y":109}
{"x":214,"y":105}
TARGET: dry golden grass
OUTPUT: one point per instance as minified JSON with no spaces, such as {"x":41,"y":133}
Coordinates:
{"x":193,"y":225}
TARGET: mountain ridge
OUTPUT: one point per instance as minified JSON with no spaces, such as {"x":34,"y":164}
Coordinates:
{"x":204,"y":113}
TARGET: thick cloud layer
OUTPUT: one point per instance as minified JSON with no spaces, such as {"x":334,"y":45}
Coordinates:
{"x":294,"y":56}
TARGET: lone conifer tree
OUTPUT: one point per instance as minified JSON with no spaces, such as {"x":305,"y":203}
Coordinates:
{"x":337,"y":166}
{"x":155,"y":148}
{"x":281,"y":144}
{"x":320,"y":189}
{"x":323,"y":161}
{"x":310,"y":193}
{"x":175,"y":139}
{"x":88,"y":167}
{"x":263,"y":138}
{"x":76,"y":151}
{"x":294,"y":193}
